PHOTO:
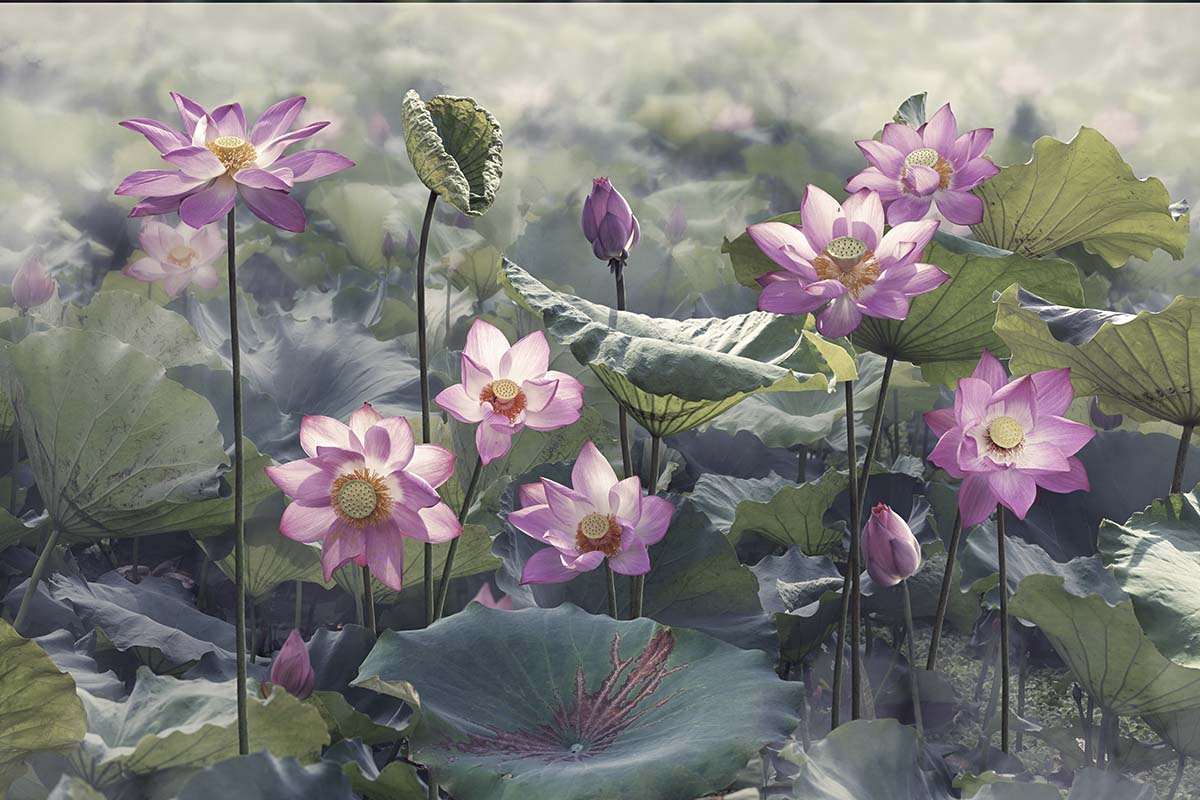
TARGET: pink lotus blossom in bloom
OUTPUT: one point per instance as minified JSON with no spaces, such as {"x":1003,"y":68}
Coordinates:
{"x":292,"y":668}
{"x":839,"y":264}
{"x":506,"y":388}
{"x":596,"y":518}
{"x":218,"y":158}
{"x":912,"y":168}
{"x":32,"y":285}
{"x":890,"y":550}
{"x":486,"y":599}
{"x":364,"y":488}
{"x":178,"y":257}
{"x":1005,"y":439}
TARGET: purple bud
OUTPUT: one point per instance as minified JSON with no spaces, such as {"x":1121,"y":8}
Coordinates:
{"x":608,"y":222}
{"x":32,"y":285}
{"x":1105,"y":422}
{"x":677,"y":225}
{"x":411,"y":246}
{"x":292,"y":669}
{"x":389,"y":246}
{"x":891,"y":551}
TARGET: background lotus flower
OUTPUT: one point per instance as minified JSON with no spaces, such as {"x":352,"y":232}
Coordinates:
{"x":840,"y":265}
{"x":217,"y":159}
{"x":32,"y":285}
{"x":292,"y":668}
{"x":1004,"y":440}
{"x":363,"y":489}
{"x":177,"y":257}
{"x":912,"y":168}
{"x":506,"y":388}
{"x":609,"y":223}
{"x":891,"y":552}
{"x":486,"y":599}
{"x":596,"y":518}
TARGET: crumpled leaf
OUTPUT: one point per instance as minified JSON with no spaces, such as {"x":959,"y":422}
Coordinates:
{"x":396,"y":781}
{"x":804,"y":593}
{"x":455,"y":146}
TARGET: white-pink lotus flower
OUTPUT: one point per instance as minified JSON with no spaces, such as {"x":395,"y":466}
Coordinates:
{"x":178,"y":257}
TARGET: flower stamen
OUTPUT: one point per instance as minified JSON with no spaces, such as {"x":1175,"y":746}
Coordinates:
{"x":1005,"y":433}
{"x":181,"y":256}
{"x":233,"y":152}
{"x":599,"y":532}
{"x":505,"y":397}
{"x":361,"y":498}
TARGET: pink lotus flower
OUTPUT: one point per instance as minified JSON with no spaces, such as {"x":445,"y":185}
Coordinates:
{"x":507,"y":388}
{"x":913,"y":168}
{"x":177,"y":257}
{"x":32,"y":285}
{"x":599,"y":518}
{"x":1004,"y":440}
{"x":486,"y":599}
{"x":218,"y":159}
{"x":890,"y":550}
{"x":292,"y":668}
{"x":363,"y":489}
{"x":840,"y":264}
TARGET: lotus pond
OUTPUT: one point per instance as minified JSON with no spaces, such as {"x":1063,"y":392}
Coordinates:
{"x":600,"y":401}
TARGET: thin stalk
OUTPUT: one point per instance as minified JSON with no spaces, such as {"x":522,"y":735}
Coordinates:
{"x":876,"y":434}
{"x":1179,"y":765}
{"x":253,"y":631}
{"x":239,"y":520}
{"x":1077,"y":693}
{"x":423,"y":357}
{"x":134,"y":575}
{"x":638,"y":582}
{"x":984,"y":666}
{"x":806,"y":708}
{"x":1089,"y":739}
{"x":368,"y":601}
{"x":802,"y":465}
{"x":984,"y":736}
{"x":895,"y":426}
{"x":12,"y":474}
{"x":358,"y":609}
{"x":298,"y":616}
{"x":611,"y":583}
{"x":38,"y":570}
{"x":944,"y":598}
{"x":912,"y":666}
{"x":1185,"y":439}
{"x":855,"y":546}
{"x":1022,"y":678}
{"x":468,"y":497}
{"x":617,"y":265}
{"x":1003,"y":628}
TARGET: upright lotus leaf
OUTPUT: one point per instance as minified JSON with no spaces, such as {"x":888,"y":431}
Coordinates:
{"x":272,"y":559}
{"x":673,"y":375}
{"x":115,"y":446}
{"x":1106,"y":650}
{"x":360,"y":212}
{"x":557,"y":704}
{"x":168,"y":723}
{"x":39,"y":709}
{"x":1145,"y":365}
{"x":912,"y":111}
{"x":455,"y":146}
{"x":1079,"y":192}
{"x":1155,"y":557}
{"x":161,"y":334}
{"x":795,"y":515}
{"x":804,"y":593}
{"x":264,"y":776}
{"x":867,"y":760}
{"x":717,"y":496}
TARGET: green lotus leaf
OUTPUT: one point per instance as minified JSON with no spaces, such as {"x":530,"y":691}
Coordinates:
{"x":577,"y":706}
{"x":674,"y":375}
{"x":161,"y":334}
{"x":1079,"y":192}
{"x":396,"y":781}
{"x":272,"y":559}
{"x":912,"y":111}
{"x":360,"y":212}
{"x":804,"y":593}
{"x":717,"y":496}
{"x":455,"y":146}
{"x":39,"y":710}
{"x":1144,"y":365}
{"x":352,"y":713}
{"x":168,"y":723}
{"x":1105,"y":648}
{"x":795,"y":515}
{"x":115,"y":446}
{"x":213,"y":517}
{"x":264,"y":776}
{"x":71,"y":788}
{"x":474,"y":556}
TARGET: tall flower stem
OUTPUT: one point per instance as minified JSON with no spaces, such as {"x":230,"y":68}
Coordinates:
{"x":912,"y":665}
{"x":1185,"y":440}
{"x":468,"y":497}
{"x":611,"y":583}
{"x":617,"y":265}
{"x":12,"y":473}
{"x":38,"y":570}
{"x":368,"y":601}
{"x":637,"y":583}
{"x":944,"y":597}
{"x":298,"y":617}
{"x":423,"y":356}
{"x":1003,"y":676}
{"x":851,"y":607}
{"x":239,"y":520}
{"x":1179,"y":765}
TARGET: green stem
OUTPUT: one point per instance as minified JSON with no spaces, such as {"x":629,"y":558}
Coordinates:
{"x":912,"y":666}
{"x":252,"y":611}
{"x":31,"y":588}
{"x":358,"y":607}
{"x":638,"y":582}
{"x":610,"y":581}
{"x":618,"y":269}
{"x":368,"y":601}
{"x":239,"y":521}
{"x":299,"y":613}
{"x":12,"y":474}
{"x":944,"y":598}
{"x":1181,"y":457}
{"x":134,"y":575}
{"x":468,"y":497}
{"x":876,"y":435}
{"x":423,"y":357}
{"x":851,"y":600}
{"x":1022,"y":679}
{"x":1179,"y":765}
{"x":1003,"y":628}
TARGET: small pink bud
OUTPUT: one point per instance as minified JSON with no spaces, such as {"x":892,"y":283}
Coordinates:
{"x":292,"y":669}
{"x":32,"y":285}
{"x":891,"y":551}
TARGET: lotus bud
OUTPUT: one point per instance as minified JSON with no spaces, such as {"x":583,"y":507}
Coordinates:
{"x":389,"y":247}
{"x":32,"y":285}
{"x":677,"y":225}
{"x":411,"y":245}
{"x":609,"y":223}
{"x":292,"y":669}
{"x":891,"y":551}
{"x":1105,"y":422}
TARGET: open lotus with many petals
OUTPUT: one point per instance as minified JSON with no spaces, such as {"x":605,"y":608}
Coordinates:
{"x":840,"y":265}
{"x":364,"y":488}
{"x":218,"y":157}
{"x":178,"y":257}
{"x":596,"y":518}
{"x":1005,"y":439}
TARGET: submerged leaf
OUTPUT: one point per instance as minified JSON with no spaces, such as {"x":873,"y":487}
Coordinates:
{"x":455,"y":146}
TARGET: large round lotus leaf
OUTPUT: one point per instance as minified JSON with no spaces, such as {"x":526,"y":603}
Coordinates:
{"x":1155,"y":558}
{"x":673,"y":375}
{"x":1104,"y":647}
{"x":262,"y":776}
{"x":272,"y":559}
{"x":1079,"y":192}
{"x":455,"y":146}
{"x":161,"y":334}
{"x":562,"y":705}
{"x":1146,"y":365}
{"x":115,"y":446}
{"x":38,"y":707}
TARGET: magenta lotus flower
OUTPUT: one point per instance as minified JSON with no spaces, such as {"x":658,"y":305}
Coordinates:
{"x":32,"y":285}
{"x":364,"y":488}
{"x":217,"y":159}
{"x":890,"y":550}
{"x":505,"y":389}
{"x":608,"y":222}
{"x":1004,"y":439}
{"x":486,"y":599}
{"x":292,"y":668}
{"x":596,"y":518}
{"x":178,"y":257}
{"x":912,"y":168}
{"x":841,"y":266}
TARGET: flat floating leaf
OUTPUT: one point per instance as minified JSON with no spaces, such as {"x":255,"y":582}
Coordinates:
{"x":576,"y":706}
{"x":1079,"y":191}
{"x":455,"y":146}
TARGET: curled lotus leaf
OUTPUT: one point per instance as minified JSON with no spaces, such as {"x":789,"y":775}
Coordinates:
{"x":455,"y":146}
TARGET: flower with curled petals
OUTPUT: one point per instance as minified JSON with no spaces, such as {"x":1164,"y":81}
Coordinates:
{"x":178,"y":257}
{"x":364,"y":488}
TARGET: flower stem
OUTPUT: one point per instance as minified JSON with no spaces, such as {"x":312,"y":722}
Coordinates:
{"x":368,"y":601}
{"x":617,"y":265}
{"x":876,"y":435}
{"x":612,"y":590}
{"x":299,"y":613}
{"x":944,"y":597}
{"x":12,"y":473}
{"x":638,"y":582}
{"x":1179,"y":765}
{"x":912,"y":666}
{"x":239,"y":521}
{"x":251,"y":611}
{"x":134,"y":574}
{"x":851,"y":606}
{"x":423,"y":357}
{"x":1185,"y":440}
{"x":1003,"y":628}
{"x":31,"y":588}
{"x":468,"y":497}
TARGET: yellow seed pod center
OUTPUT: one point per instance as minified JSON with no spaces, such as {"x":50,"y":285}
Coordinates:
{"x":594,"y":526}
{"x":505,"y":390}
{"x":181,"y":255}
{"x":922,"y":157}
{"x":1006,"y":433}
{"x":846,"y":248}
{"x":357,"y":499}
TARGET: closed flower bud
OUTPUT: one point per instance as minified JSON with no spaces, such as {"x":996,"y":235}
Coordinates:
{"x":609,"y":223}
{"x":32,"y":285}
{"x":292,"y":669}
{"x":891,"y":551}
{"x":1105,"y":422}
{"x":389,"y":246}
{"x":411,"y":245}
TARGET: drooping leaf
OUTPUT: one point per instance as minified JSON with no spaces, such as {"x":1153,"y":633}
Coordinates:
{"x":161,"y":334}
{"x":912,"y":111}
{"x":272,"y":559}
{"x":70,"y":787}
{"x":579,"y":706}
{"x":718,"y":496}
{"x":795,"y":515}
{"x":1079,"y":191}
{"x":264,"y":776}
{"x":981,"y":567}
{"x":455,"y":146}
{"x":212,"y":517}
{"x":352,"y":713}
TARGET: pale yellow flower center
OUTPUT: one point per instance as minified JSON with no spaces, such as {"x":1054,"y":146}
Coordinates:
{"x":505,"y":397}
{"x":233,"y":152}
{"x":1006,"y":433}
{"x":599,"y":532}
{"x":850,"y":262}
{"x":181,"y":256}
{"x":928,"y":157}
{"x":361,"y":498}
